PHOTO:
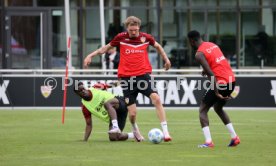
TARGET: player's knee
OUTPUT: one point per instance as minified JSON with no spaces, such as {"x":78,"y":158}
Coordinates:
{"x":107,"y":105}
{"x":121,"y":137}
{"x":132,"y":112}
{"x":202,"y":113}
{"x":113,"y":137}
{"x":132,"y":115}
{"x":203,"y":108}
{"x":155,"y":99}
{"x":217,"y":108}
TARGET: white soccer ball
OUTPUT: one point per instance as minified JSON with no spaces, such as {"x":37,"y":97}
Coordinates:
{"x":156,"y":136}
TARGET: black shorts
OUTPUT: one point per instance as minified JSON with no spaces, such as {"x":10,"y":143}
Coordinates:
{"x":121,"y":113}
{"x":210,"y":97}
{"x":138,"y":84}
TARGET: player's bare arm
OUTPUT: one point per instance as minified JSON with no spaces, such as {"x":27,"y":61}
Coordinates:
{"x":200,"y":58}
{"x":163,"y":54}
{"x":99,"y":51}
{"x":105,"y":86}
{"x":203,"y":73}
{"x":88,"y":128}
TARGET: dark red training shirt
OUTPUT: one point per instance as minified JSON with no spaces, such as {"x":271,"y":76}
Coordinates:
{"x":134,"y":59}
{"x":217,"y":62}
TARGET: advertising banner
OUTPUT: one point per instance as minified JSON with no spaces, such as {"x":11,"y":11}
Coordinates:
{"x":174,"y":91}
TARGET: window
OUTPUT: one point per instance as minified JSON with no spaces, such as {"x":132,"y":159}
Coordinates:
{"x":20,"y":2}
{"x":203,"y":3}
{"x":50,"y":3}
{"x":249,"y":2}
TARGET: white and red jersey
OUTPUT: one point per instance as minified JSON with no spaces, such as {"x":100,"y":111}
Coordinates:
{"x":217,"y":62}
{"x":134,"y":60}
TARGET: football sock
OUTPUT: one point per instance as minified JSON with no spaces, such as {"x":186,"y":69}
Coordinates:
{"x":115,"y":123}
{"x":231,"y":130}
{"x":207,"y":134}
{"x":130,"y":135}
{"x":164,"y":126}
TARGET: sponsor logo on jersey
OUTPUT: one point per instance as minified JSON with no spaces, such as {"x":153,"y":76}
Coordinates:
{"x":209,"y":50}
{"x":128,"y":51}
{"x":220,"y":59}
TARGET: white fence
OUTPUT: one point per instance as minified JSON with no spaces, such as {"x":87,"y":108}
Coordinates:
{"x":155,"y":72}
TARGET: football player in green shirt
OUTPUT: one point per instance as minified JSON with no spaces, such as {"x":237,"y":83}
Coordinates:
{"x":105,"y":106}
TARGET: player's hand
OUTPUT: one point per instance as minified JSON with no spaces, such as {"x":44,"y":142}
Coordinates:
{"x":101,"y":86}
{"x":167,"y":65}
{"x":87,"y":62}
{"x":113,"y":83}
{"x":222,"y":97}
{"x":203,"y":73}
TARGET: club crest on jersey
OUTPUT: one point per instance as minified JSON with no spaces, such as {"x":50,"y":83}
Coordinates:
{"x":46,"y":91}
{"x":143,"y":39}
{"x":127,"y":100}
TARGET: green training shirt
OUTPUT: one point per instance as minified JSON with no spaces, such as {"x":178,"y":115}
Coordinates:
{"x":96,"y":104}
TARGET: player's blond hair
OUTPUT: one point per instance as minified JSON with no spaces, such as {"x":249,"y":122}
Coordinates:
{"x":132,"y":21}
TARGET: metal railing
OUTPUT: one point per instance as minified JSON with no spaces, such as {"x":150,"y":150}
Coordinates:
{"x":100,"y":72}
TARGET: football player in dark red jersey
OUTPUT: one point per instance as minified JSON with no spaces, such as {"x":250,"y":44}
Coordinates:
{"x":222,"y":82}
{"x":134,"y":69}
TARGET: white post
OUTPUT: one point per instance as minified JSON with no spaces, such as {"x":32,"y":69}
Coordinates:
{"x":102,"y":30}
{"x":41,"y":41}
{"x":267,"y":18}
{"x":125,"y":3}
{"x":68,"y":56}
{"x":68,"y":32}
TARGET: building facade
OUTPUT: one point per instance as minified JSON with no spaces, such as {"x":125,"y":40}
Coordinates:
{"x":32,"y":34}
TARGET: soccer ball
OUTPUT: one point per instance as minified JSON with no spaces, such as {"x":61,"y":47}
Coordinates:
{"x":155,"y":136}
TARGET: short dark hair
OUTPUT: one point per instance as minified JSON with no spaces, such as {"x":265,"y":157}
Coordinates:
{"x":194,"y":35}
{"x":76,"y":89}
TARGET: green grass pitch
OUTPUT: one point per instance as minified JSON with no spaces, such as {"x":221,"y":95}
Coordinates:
{"x":37,"y":138}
